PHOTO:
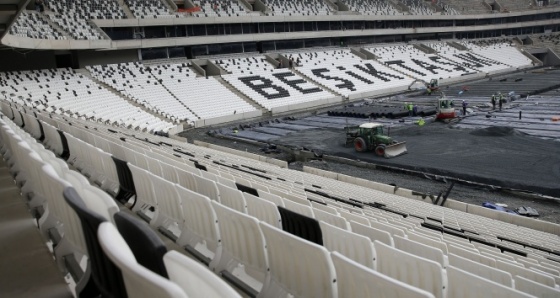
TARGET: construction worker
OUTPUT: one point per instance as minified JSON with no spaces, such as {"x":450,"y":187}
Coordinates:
{"x":493,"y":101}
{"x":500,"y":101}
{"x":410,"y":107}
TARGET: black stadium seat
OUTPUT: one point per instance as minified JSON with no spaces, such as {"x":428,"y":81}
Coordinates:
{"x":147,"y":247}
{"x":106,"y":276}
{"x":300,"y":225}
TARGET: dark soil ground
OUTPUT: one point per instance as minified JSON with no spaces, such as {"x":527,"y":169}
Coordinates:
{"x":495,"y":156}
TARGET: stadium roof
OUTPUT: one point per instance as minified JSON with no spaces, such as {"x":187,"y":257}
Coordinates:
{"x":9,"y":9}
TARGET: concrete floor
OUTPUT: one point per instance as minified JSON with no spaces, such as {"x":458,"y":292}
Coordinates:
{"x":27,"y":268}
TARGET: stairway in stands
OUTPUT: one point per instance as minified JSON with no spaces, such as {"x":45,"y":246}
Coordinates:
{"x":27,"y":268}
{"x":114,"y":91}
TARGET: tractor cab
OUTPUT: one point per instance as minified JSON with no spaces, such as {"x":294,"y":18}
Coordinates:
{"x":373,"y":132}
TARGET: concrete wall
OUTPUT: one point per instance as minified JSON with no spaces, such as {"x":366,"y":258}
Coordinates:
{"x":213,"y":69}
{"x":551,"y":58}
{"x":228,"y":118}
{"x":245,"y":154}
{"x":18,"y":60}
{"x":47,"y":44}
{"x":450,"y":203}
{"x":380,"y":92}
{"x":306,"y":105}
{"x":106,"y":57}
{"x":197,"y":65}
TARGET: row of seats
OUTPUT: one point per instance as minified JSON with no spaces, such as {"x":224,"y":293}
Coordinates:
{"x":372,"y":7}
{"x":142,"y":9}
{"x":118,"y":255}
{"x":298,"y":7}
{"x":467,"y":7}
{"x":418,"y":7}
{"x":134,"y":81}
{"x":221,"y":8}
{"x":74,"y":15}
{"x":204,"y":96}
{"x":296,"y":214}
{"x":499,"y":50}
{"x":33,"y":25}
{"x":64,"y":91}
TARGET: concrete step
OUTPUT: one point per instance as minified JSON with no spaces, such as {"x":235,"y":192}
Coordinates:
{"x":27,"y":268}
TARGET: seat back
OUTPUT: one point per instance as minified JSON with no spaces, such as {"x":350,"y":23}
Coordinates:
{"x":300,"y":225}
{"x":415,"y":271}
{"x":490,"y":273}
{"x":126,"y":183}
{"x":263,"y":210}
{"x":232,"y":198}
{"x":65,"y":149}
{"x":331,"y":219}
{"x":242,"y":242}
{"x":356,"y":280}
{"x":307,"y":273}
{"x":105,"y":274}
{"x":52,"y":138}
{"x":195,"y":279}
{"x":373,"y":234}
{"x":147,"y":247}
{"x":302,"y":209}
{"x":534,"y":288}
{"x":463,"y":284}
{"x":354,"y":246}
{"x":527,"y":273}
{"x":419,"y":249}
{"x":139,"y":281}
{"x":200,"y":228}
{"x":207,"y":187}
{"x":145,"y":194}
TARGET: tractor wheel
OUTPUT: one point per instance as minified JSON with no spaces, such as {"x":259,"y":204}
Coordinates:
{"x":380,"y":150}
{"x":360,"y":144}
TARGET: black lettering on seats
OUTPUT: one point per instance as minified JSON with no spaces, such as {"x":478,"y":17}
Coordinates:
{"x":456,"y":66}
{"x":378,"y":74}
{"x":294,"y":83}
{"x":430,"y":67}
{"x":346,"y":83}
{"x":477,"y":61}
{"x":359,"y":77}
{"x":265,"y":84}
{"x":400,"y":63}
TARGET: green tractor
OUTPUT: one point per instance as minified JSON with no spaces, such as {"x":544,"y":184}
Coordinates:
{"x":370,"y":137}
